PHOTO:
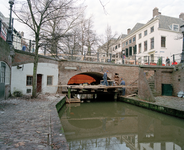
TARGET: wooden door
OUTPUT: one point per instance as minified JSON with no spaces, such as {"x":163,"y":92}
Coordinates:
{"x":39,"y":83}
{"x":2,"y":79}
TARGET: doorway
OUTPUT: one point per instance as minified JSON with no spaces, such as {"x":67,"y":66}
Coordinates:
{"x":39,"y":83}
{"x":2,"y":79}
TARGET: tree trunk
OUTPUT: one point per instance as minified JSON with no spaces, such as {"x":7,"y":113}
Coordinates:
{"x":34,"y":86}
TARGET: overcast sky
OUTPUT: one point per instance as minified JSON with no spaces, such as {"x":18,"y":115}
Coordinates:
{"x":119,"y":14}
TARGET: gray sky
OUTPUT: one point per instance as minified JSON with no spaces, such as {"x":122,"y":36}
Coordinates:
{"x":119,"y":14}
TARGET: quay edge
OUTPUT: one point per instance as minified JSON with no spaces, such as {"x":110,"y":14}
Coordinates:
{"x":155,"y":107}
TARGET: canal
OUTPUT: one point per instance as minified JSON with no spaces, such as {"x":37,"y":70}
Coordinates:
{"x":120,"y":126}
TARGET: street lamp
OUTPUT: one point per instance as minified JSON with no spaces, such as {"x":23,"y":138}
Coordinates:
{"x":182,"y":54}
{"x":9,"y":32}
{"x":123,"y":54}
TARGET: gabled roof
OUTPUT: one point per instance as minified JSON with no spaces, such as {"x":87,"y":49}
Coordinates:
{"x":136,"y":27}
{"x":165,"y":21}
{"x":123,"y":36}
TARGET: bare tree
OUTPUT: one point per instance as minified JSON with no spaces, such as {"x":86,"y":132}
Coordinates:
{"x":109,"y":40}
{"x":36,"y":14}
{"x":88,"y":38}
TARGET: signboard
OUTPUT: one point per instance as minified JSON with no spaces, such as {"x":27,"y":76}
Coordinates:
{"x":71,"y":68}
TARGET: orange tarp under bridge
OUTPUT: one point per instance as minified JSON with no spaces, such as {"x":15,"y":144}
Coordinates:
{"x":79,"y":79}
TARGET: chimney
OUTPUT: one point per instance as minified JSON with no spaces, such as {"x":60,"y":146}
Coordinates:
{"x":181,"y":16}
{"x":22,"y":34}
{"x":128,"y":31}
{"x":156,"y":12}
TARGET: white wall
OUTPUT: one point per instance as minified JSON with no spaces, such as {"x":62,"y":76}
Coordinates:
{"x":147,"y":38}
{"x":19,"y":76}
{"x":173,"y":46}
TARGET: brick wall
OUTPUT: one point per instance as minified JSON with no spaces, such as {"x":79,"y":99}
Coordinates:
{"x":5,"y":52}
{"x":162,"y":75}
{"x":128,"y":72}
{"x":178,"y":79}
{"x":22,"y":57}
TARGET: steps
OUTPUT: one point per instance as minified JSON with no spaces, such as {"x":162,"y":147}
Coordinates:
{"x":151,"y":83}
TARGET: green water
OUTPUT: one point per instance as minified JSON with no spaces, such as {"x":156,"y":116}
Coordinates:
{"x":120,"y":126}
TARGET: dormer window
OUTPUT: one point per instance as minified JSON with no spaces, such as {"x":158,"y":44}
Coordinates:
{"x":174,"y":27}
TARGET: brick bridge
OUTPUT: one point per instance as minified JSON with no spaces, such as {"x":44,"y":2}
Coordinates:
{"x":144,"y":75}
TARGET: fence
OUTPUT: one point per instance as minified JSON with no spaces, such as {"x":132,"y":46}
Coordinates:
{"x":101,"y":57}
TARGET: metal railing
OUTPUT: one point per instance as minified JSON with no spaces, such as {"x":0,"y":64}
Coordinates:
{"x":111,"y":58}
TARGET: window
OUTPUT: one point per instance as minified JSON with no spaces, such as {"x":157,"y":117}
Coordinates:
{"x":118,"y":45}
{"x":28,"y":91}
{"x":49,"y":80}
{"x":134,"y":39}
{"x":135,"y":49}
{"x":140,"y":48}
{"x":126,"y":52}
{"x":130,"y":41}
{"x":29,"y":80}
{"x":163,"y":41}
{"x":123,"y":44}
{"x":130,"y":51}
{"x":126,"y":42}
{"x":145,"y":33}
{"x":175,"y":27}
{"x":145,"y":59}
{"x":152,"y":43}
{"x":152,"y":57}
{"x":117,"y":54}
{"x":2,"y":75}
{"x":152,"y":29}
{"x":145,"y":45}
{"x":140,"y":35}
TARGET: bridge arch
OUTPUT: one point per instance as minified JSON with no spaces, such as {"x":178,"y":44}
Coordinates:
{"x":94,"y":75}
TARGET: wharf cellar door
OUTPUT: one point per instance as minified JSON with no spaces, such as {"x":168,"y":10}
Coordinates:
{"x":2,"y":79}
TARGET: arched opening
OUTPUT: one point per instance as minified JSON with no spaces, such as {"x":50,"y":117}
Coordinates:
{"x":4,"y":80}
{"x":92,"y":78}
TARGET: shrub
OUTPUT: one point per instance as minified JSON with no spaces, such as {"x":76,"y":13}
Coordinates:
{"x":17,"y":93}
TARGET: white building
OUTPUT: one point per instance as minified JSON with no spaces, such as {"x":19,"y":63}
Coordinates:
{"x":47,"y":78}
{"x":160,"y":37}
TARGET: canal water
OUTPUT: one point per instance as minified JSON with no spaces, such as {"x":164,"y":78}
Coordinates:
{"x":120,"y":126}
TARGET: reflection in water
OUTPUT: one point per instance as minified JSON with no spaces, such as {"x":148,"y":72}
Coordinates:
{"x":116,"y":125}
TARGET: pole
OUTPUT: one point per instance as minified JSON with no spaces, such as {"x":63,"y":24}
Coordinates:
{"x":97,"y":56}
{"x":173,"y":57}
{"x":148,"y":60}
{"x":135,"y":59}
{"x":44,"y":49}
{"x":182,"y":54}
{"x":69,"y":92}
{"x":72,"y":54}
{"x":29,"y":45}
{"x":9,"y":31}
{"x":122,"y":59}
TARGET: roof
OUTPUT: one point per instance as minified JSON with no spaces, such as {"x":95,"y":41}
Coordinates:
{"x":123,"y":36}
{"x":165,"y":21}
{"x":136,"y":27}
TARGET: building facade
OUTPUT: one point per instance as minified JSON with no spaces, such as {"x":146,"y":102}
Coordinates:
{"x":159,"y":39}
{"x":156,"y":40}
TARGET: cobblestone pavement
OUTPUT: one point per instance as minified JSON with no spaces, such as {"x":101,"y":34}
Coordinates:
{"x":31,"y":124}
{"x":171,"y":102}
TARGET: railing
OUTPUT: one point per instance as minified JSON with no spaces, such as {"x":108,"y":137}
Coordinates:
{"x":113,"y":58}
